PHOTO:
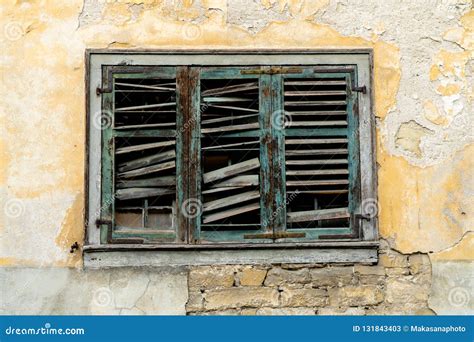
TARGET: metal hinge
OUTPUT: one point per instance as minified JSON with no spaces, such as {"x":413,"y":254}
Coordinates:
{"x":100,"y":222}
{"x":362,"y":89}
{"x":272,"y":71}
{"x":363,"y":217}
{"x":100,"y":90}
{"x":277,"y":235}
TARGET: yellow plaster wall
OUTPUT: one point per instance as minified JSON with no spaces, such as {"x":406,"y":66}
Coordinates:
{"x":423,"y":207}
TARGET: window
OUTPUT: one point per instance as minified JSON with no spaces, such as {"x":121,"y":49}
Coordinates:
{"x":227,"y":149}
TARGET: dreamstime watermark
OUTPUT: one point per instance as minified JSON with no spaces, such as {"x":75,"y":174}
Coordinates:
{"x":46,"y":330}
{"x":103,"y":296}
{"x":191,"y":208}
{"x":281,"y":207}
{"x":14,"y":208}
{"x":370,"y":207}
{"x":461,"y":121}
{"x":191,"y":31}
{"x":13,"y":31}
{"x":281,"y":119}
{"x":458,"y":296}
{"x":102,"y":119}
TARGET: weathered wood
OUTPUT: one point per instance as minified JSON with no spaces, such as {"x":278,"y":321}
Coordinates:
{"x":317,"y":113}
{"x":145,"y":161}
{"x":234,"y":108}
{"x":231,"y":212}
{"x":230,"y":128}
{"x":225,"y":99}
{"x":145,"y":126}
{"x":316,"y":152}
{"x":149,"y":169}
{"x":131,"y":193}
{"x":316,"y":162}
{"x":316,"y":172}
{"x":158,"y":105}
{"x":239,"y":181}
{"x":314,"y":141}
{"x":318,"y":215}
{"x":231,"y":170}
{"x":316,"y":182}
{"x":314,"y":103}
{"x":230,"y":89}
{"x":214,"y":190}
{"x":245,"y":143}
{"x":314,"y":93}
{"x":307,"y":83}
{"x":227,"y":118}
{"x":164,"y":181}
{"x":319,"y":192}
{"x":143,"y":86}
{"x":142,"y":147}
{"x":317,"y":123}
{"x":230,"y":200}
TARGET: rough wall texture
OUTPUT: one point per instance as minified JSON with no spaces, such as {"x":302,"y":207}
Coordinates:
{"x":423,"y":103}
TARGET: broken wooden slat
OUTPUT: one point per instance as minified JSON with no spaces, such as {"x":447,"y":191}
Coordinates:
{"x":231,"y":170}
{"x":231,"y":89}
{"x":316,"y":172}
{"x":143,"y":86}
{"x":231,"y":200}
{"x":231,"y":212}
{"x":167,"y":124}
{"x":225,"y":99}
{"x":167,"y":181}
{"x":314,"y":141}
{"x":145,"y":161}
{"x":230,"y":128}
{"x":158,"y":105}
{"x":214,"y":190}
{"x":315,"y":103}
{"x":319,"y":192}
{"x":316,"y":182}
{"x":227,"y":118}
{"x":317,"y":215}
{"x":230,"y":145}
{"x":234,"y":108}
{"x":316,"y":162}
{"x":142,"y":147}
{"x":317,"y":123}
{"x":131,"y":193}
{"x":307,"y":83}
{"x":316,"y":152}
{"x":317,"y":113}
{"x":149,"y":169}
{"x":314,"y":93}
{"x":239,"y":181}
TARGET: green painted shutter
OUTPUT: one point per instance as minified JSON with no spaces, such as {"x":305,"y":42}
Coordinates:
{"x":318,"y":187}
{"x":235,"y":155}
{"x":140,"y":145}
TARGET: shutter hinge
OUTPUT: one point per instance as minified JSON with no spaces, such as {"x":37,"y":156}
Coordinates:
{"x":362,"y":89}
{"x":363,"y":217}
{"x":100,"y":90}
{"x":100,"y":222}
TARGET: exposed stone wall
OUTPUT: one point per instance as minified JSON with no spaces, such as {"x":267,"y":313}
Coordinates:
{"x":398,"y":284}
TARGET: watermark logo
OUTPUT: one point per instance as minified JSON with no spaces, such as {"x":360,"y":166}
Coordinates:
{"x":13,"y":31}
{"x":102,"y":119}
{"x":370,"y":207}
{"x":103,"y":296}
{"x":14,"y":208}
{"x":191,"y":208}
{"x":281,"y":119}
{"x":459,"y":296}
{"x":191,"y":31}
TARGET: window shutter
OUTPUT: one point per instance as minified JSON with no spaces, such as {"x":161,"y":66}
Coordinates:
{"x":320,"y":182}
{"x":235,"y":139}
{"x":139,"y":148}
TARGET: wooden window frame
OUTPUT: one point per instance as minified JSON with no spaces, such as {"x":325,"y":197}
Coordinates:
{"x":360,"y":248}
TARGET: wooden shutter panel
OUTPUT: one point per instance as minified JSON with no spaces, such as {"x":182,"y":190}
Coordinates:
{"x":235,"y":154}
{"x":320,"y":154}
{"x":140,"y":147}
